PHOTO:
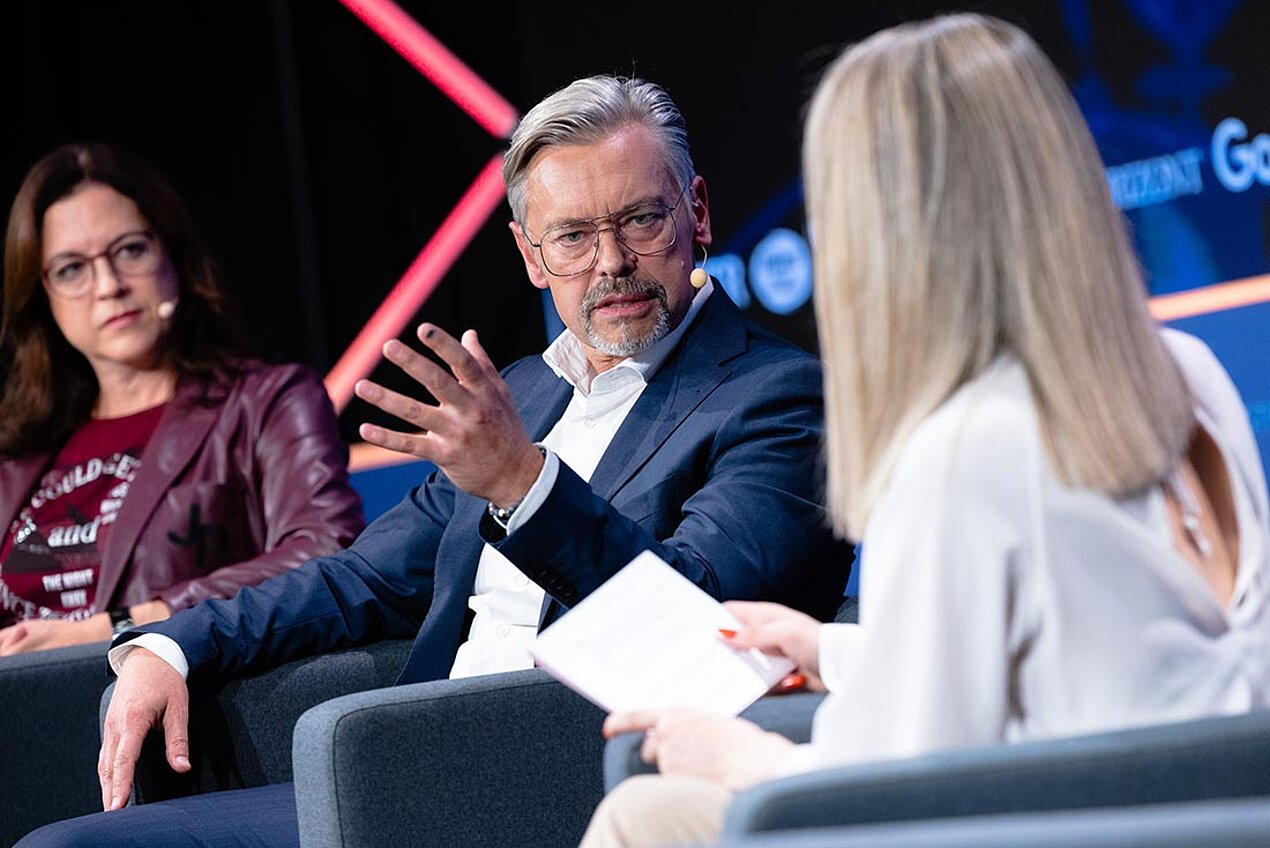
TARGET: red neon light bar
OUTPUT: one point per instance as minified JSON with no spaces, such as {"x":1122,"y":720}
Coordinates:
{"x":418,"y":283}
{"x":434,"y":60}
{"x":1215,"y":298}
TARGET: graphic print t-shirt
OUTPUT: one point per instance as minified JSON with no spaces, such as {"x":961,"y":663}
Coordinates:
{"x":51,"y":556}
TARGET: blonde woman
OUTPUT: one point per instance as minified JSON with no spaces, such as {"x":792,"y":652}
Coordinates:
{"x":1062,"y":509}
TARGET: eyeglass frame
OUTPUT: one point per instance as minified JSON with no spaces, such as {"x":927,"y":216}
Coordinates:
{"x":617,"y":233}
{"x":91,"y":261}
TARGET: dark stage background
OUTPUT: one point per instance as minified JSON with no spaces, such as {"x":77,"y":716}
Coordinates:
{"x":318,"y":161}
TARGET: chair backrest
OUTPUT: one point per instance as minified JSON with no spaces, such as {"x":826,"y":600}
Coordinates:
{"x":1239,"y":823}
{"x":1202,"y":759}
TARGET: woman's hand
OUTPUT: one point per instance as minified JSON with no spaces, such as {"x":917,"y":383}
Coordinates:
{"x":780,"y":630}
{"x":730,"y":751}
{"x":37,"y":634}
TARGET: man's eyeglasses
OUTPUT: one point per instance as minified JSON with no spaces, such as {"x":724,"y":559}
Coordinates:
{"x":130,"y":255}
{"x":572,"y":249}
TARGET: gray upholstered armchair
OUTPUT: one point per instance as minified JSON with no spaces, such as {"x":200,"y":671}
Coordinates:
{"x":507,"y":759}
{"x":48,"y":727}
{"x":240,"y":731}
{"x":1223,"y":823}
{"x":1129,"y":787}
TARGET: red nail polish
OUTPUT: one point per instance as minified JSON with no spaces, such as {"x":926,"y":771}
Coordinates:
{"x":727,"y":634}
{"x":792,"y":682}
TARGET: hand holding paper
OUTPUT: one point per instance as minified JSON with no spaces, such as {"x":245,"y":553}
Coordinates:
{"x":780,"y":630}
{"x":649,"y":639}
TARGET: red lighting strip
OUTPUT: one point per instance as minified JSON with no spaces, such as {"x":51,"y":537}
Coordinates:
{"x":432,"y":59}
{"x":363,"y":456}
{"x":418,"y":283}
{"x":1216,"y":298}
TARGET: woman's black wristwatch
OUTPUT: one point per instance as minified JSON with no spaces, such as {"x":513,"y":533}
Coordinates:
{"x":120,"y":620}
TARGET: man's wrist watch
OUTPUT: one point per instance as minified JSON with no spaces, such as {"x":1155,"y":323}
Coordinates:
{"x":120,"y":620}
{"x":503,"y":515}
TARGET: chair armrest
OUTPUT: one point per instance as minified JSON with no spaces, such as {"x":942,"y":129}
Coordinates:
{"x":1224,"y":823}
{"x":788,"y":715}
{"x":49,"y":769}
{"x":1194,"y":760}
{"x":502,"y":759}
{"x":240,"y":730}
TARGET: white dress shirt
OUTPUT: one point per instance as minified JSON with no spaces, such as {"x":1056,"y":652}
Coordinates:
{"x":505,"y":602}
{"x":997,"y":604}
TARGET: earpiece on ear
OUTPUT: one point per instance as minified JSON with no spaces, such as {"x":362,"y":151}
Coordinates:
{"x":166,"y":309}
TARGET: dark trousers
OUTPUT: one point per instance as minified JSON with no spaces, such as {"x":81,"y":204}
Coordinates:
{"x":244,"y":818}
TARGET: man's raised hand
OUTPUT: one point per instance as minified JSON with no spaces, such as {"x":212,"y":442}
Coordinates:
{"x":473,"y":433}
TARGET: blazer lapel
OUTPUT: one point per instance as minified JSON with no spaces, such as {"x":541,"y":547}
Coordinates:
{"x":181,"y":432}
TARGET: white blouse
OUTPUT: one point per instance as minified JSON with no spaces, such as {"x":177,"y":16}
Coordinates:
{"x":997,"y":604}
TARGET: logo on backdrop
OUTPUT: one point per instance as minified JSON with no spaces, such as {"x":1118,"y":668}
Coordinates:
{"x":780,"y":271}
{"x":1237,"y":160}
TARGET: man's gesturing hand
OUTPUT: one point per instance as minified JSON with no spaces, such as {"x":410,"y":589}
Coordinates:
{"x":473,"y":434}
{"x":148,"y":692}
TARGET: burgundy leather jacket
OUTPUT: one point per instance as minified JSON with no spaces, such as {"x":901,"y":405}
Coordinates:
{"x":245,"y":476}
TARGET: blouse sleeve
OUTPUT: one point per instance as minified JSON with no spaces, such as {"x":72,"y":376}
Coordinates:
{"x":928,"y":667}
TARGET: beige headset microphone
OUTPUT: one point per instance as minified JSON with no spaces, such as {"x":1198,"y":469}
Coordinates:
{"x":699,"y":277}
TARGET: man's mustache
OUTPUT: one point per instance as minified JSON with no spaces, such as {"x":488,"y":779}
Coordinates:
{"x":622,"y":287}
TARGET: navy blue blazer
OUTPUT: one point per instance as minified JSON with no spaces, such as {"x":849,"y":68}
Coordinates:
{"x":716,"y":469}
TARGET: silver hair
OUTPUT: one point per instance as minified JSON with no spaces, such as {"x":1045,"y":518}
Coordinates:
{"x":589,"y":110}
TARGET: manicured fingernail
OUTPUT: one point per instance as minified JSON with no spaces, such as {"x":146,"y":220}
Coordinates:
{"x":727,"y":634}
{"x":183,"y":761}
{"x":793,"y":681}
{"x":114,"y":803}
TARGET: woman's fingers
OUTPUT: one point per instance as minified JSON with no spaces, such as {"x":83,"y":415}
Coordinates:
{"x":629,"y":722}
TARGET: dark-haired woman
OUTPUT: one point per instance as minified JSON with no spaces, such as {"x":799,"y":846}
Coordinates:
{"x":144,"y":463}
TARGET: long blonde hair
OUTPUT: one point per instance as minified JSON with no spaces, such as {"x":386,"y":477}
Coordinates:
{"x":958,"y":208}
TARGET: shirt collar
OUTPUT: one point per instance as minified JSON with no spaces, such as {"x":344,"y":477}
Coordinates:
{"x":567,"y":357}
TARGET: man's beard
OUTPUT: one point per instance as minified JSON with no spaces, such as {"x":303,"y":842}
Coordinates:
{"x":632,"y":341}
